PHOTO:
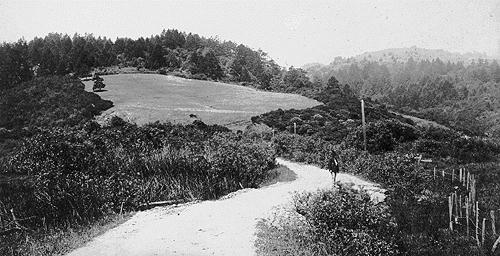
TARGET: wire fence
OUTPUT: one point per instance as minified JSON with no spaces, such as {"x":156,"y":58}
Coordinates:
{"x":464,"y":212}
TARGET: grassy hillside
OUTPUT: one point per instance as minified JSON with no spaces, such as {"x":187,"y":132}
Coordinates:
{"x":143,"y":98}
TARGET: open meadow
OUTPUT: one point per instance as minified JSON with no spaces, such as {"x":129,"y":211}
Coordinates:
{"x":143,"y":98}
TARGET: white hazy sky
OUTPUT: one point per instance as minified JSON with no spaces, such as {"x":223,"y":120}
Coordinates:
{"x":292,"y":32}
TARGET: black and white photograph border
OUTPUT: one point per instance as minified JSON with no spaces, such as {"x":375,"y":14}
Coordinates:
{"x":249,"y":127}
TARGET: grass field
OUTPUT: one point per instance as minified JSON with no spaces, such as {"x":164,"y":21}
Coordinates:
{"x":143,"y":98}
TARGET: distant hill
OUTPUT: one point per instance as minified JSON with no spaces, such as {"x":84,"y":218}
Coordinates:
{"x":418,"y":54}
{"x":457,"y":90}
{"x":401,"y":55}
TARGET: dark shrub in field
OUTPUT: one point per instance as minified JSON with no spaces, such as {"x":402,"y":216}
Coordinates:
{"x":238,"y":161}
{"x":383,"y":135}
{"x":48,"y":102}
{"x":441,"y":143}
{"x":302,"y":149}
{"x":330,"y":122}
{"x":44,"y":102}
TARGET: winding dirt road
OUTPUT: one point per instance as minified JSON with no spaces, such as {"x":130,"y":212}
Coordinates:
{"x":222,"y":227}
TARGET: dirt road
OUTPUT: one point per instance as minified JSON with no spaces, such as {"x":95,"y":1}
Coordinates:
{"x":221,"y":227}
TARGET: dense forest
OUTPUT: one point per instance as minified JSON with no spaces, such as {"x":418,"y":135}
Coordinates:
{"x":461,"y":95}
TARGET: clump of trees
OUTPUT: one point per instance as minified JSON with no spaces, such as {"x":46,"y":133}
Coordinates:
{"x":457,"y":94}
{"x":171,"y":51}
{"x":51,"y":101}
{"x":332,"y":121}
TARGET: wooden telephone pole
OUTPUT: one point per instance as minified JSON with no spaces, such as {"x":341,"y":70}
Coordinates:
{"x":363,"y":121}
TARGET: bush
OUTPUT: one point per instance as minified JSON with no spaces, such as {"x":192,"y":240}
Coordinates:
{"x":199,"y":76}
{"x":417,"y":201}
{"x":335,"y":222}
{"x":79,"y":175}
{"x":238,"y":161}
{"x":332,"y":122}
{"x":441,"y":143}
{"x":302,"y":149}
{"x":383,"y":135}
{"x":49,"y":102}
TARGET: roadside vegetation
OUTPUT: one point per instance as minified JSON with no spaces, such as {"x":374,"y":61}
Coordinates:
{"x":416,"y":203}
{"x":64,"y":174}
{"x":341,"y":221}
{"x":65,"y":177}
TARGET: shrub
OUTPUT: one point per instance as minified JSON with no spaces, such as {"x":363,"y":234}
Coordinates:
{"x":302,"y":149}
{"x":48,"y":102}
{"x":441,"y":143}
{"x":383,"y":135}
{"x":342,"y":221}
{"x":417,"y":201}
{"x":238,"y":162}
{"x":74,"y":175}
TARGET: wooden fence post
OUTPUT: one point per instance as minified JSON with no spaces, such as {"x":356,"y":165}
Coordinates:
{"x":477,"y":225}
{"x":493,"y":224}
{"x":483,"y":231}
{"x":495,"y":245}
{"x":14,"y":219}
{"x":460,"y":205}
{"x":467,"y":214}
{"x":465,"y":177}
{"x":456,"y":206}
{"x":473,"y":188}
{"x":450,"y":210}
{"x":468,"y":180}
{"x":363,"y":122}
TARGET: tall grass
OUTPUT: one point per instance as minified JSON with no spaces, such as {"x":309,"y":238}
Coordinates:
{"x":74,"y":177}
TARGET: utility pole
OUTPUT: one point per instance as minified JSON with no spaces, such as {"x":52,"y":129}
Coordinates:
{"x":363,"y":121}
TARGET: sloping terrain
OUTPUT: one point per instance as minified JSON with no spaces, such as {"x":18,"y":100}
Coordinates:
{"x":422,"y":122}
{"x":223,"y":227}
{"x":143,"y":98}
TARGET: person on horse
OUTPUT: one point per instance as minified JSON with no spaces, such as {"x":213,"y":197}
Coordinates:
{"x":333,"y":164}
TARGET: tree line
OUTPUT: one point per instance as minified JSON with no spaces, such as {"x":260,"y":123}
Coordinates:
{"x":462,"y":95}
{"x":169,"y":51}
